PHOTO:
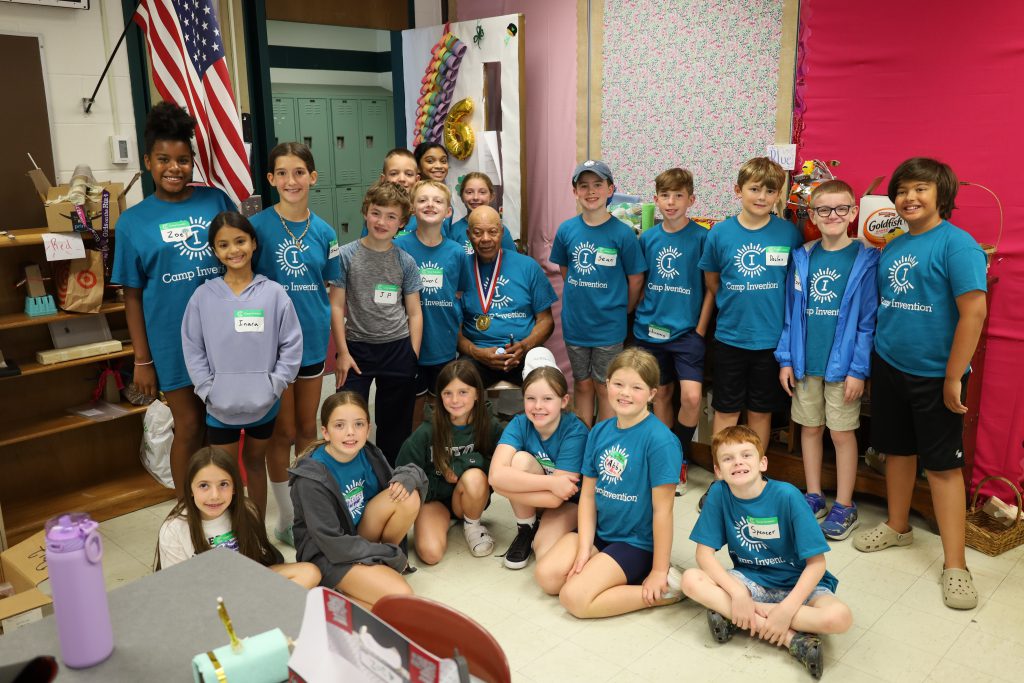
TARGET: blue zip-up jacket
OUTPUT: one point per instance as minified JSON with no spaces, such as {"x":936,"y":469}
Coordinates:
{"x":855,"y":328}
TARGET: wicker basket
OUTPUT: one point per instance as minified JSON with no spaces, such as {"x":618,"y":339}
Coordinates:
{"x":989,"y":535}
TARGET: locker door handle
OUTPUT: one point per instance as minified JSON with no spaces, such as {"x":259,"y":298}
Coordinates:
{"x":369,"y":142}
{"x":340,"y":142}
{"x":308,"y":141}
{"x":344,"y":227}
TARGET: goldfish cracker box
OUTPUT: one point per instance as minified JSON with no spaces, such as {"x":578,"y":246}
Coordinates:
{"x":879,"y":222}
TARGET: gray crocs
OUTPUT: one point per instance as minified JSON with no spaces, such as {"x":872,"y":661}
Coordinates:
{"x":881,"y":537}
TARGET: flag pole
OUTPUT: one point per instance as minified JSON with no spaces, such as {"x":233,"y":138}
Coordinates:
{"x":87,"y":102}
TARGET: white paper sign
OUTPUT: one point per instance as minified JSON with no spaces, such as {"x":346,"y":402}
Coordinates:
{"x":490,"y":161}
{"x":784,"y":155}
{"x":63,"y":246}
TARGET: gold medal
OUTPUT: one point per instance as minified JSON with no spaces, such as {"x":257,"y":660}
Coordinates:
{"x":483,"y":322}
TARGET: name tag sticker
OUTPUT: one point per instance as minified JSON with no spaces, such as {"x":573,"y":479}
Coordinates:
{"x":385,"y":295}
{"x":176,"y":231}
{"x":656,"y":332}
{"x":606,"y":256}
{"x":432,"y":278}
{"x":761,"y":528}
{"x":777,"y":256}
{"x":250,"y":320}
{"x":333,"y":251}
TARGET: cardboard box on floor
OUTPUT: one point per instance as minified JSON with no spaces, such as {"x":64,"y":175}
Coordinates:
{"x":58,"y":215}
{"x":24,"y":567}
{"x":879,"y":222}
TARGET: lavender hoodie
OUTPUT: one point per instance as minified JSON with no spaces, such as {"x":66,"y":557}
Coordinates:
{"x":242,"y":350}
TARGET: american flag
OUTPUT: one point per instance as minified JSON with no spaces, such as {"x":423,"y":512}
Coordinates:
{"x":189,"y":68}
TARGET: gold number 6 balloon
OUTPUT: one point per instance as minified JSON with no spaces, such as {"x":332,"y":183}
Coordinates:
{"x":458,"y":134}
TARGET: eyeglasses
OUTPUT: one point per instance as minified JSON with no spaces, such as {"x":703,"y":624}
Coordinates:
{"x":826,"y":211}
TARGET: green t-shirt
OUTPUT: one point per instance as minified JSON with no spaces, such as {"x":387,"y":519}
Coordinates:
{"x":465,"y":455}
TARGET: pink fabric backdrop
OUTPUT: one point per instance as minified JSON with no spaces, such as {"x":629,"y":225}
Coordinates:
{"x":550,"y":124}
{"x":883,"y":81}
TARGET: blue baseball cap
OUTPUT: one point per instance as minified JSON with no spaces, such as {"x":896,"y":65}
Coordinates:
{"x":595,"y":166}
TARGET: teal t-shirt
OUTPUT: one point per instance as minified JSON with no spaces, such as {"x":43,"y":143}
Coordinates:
{"x":163,"y":249}
{"x":828,"y":272}
{"x":522,"y":292}
{"x":674,"y":291}
{"x":440,"y":273}
{"x":355,"y":479}
{"x":595,"y":296}
{"x":627,"y":464}
{"x":563,"y":450}
{"x":769,"y":537}
{"x":303,"y":268}
{"x":752,"y":265}
{"x":919,"y":279}
{"x":459,"y":233}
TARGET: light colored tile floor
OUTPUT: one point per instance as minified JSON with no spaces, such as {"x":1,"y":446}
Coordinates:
{"x":901,"y":631}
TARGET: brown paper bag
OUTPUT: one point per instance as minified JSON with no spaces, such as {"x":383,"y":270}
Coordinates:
{"x":80,"y":284}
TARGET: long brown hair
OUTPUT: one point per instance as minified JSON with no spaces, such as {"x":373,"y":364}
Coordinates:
{"x":245,"y":518}
{"x":464,"y":371}
{"x":332,"y":402}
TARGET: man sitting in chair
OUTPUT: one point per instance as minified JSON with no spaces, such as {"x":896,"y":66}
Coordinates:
{"x":506,"y":303}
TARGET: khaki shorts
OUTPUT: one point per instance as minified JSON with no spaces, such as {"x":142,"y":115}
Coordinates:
{"x":817,"y":402}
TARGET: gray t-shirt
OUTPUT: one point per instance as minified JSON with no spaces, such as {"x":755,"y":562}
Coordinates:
{"x":376,"y":284}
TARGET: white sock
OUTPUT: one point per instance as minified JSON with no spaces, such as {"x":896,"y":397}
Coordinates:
{"x":470,"y":522}
{"x":283,"y":498}
{"x":529,"y":521}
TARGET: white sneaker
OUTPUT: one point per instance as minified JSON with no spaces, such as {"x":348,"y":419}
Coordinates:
{"x":675,"y":585}
{"x":479,"y":540}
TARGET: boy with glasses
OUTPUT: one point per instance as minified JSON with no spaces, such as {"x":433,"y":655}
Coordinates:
{"x":824,"y":353}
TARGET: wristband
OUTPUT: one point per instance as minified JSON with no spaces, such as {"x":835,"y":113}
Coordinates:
{"x":148,"y":362}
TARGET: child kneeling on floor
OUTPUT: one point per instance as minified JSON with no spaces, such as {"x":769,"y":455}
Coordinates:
{"x":352,"y":511}
{"x":778,"y":588}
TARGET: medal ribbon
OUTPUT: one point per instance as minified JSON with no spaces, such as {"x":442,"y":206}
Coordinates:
{"x":485,"y":300}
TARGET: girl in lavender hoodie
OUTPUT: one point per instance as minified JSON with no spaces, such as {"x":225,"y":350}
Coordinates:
{"x":243,"y":346}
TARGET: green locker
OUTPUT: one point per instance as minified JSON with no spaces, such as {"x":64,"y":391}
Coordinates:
{"x":349,"y":200}
{"x":377,"y":136}
{"x":285,"y":129}
{"x":346,"y":142}
{"x":321,"y":202}
{"x":315,"y":131}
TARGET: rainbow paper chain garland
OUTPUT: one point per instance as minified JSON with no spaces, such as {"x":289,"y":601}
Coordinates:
{"x":437,"y":86}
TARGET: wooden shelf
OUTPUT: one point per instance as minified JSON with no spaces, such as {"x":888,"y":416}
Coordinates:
{"x":18,"y":432}
{"x":29,"y":236}
{"x":135,"y":490}
{"x":34,"y":368}
{"x":15,"y":320}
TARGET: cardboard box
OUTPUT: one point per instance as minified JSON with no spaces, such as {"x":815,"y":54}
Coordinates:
{"x":24,"y":567}
{"x":879,"y":222}
{"x":58,"y":215}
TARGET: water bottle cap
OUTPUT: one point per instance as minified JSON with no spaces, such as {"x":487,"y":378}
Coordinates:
{"x":67,"y":532}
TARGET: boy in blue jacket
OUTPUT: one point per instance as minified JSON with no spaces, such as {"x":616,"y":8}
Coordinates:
{"x":824,"y":353}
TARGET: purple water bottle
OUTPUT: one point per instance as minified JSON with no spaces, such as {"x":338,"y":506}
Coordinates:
{"x":74,"y":554}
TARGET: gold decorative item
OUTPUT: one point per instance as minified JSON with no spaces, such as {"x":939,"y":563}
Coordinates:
{"x":459,"y":138}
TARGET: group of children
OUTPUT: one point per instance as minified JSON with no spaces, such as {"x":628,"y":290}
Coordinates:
{"x":594,"y":506}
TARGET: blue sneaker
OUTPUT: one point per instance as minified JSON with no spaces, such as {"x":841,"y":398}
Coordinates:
{"x":841,"y":521}
{"x":816,"y":501}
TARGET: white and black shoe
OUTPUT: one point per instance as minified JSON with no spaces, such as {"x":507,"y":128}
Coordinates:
{"x":518,"y":554}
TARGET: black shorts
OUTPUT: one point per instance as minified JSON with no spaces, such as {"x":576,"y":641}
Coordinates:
{"x":426,"y":380}
{"x":746,"y":379}
{"x":679,"y":359}
{"x":311,"y":371}
{"x":909,"y":417}
{"x":635,"y":562}
{"x":219,"y":436}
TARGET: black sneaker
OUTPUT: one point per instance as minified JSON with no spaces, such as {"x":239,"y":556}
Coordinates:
{"x":700,"y":503}
{"x":806,"y":648}
{"x":721,"y":628}
{"x":518,"y":554}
